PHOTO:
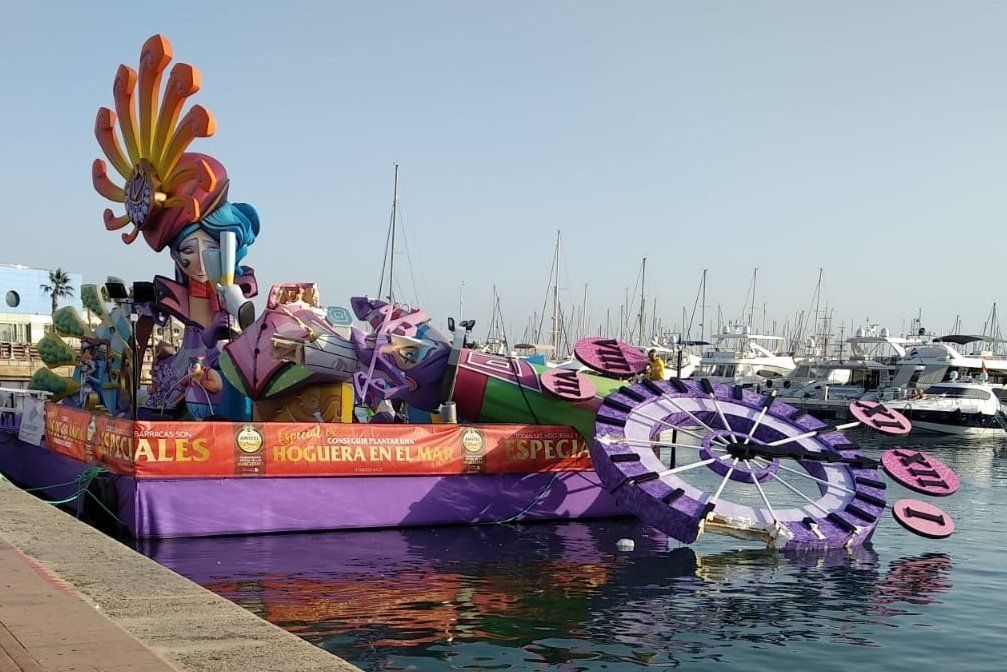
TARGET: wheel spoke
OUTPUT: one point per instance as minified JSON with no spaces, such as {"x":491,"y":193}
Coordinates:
{"x":755,"y":426}
{"x":808,"y":435}
{"x":797,"y":492}
{"x":682,"y":409}
{"x":681,"y":429}
{"x":723,"y":483}
{"x":653,"y":444}
{"x":723,"y":418}
{"x":762,"y":494}
{"x":809,"y":477}
{"x":687,"y":467}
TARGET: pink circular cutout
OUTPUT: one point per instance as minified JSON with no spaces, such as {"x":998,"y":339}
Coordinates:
{"x":610,"y":356}
{"x":568,"y":385}
{"x":920,"y":472}
{"x":880,"y":418}
{"x":923,"y":518}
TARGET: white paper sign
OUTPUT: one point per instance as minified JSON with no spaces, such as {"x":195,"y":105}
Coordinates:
{"x":32,"y":421}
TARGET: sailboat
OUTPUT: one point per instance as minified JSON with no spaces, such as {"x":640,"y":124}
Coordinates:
{"x":535,"y":349}
{"x":496,"y":336}
{"x":743,"y":357}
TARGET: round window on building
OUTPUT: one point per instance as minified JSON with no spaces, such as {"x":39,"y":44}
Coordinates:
{"x":13,"y":299}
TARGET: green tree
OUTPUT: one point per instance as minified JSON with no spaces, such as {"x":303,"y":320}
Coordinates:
{"x":58,"y":287}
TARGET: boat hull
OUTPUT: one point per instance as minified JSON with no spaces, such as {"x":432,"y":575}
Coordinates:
{"x":924,"y":426}
{"x":951,"y":422}
{"x":193,"y":507}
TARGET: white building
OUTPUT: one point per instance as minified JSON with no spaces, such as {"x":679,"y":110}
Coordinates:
{"x":26,"y":310}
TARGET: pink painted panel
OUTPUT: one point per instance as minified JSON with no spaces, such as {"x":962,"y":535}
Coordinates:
{"x":923,"y":518}
{"x":610,"y":356}
{"x":920,"y":472}
{"x":568,"y":385}
{"x":880,"y":418}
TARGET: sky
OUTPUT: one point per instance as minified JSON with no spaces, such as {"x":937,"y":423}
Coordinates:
{"x":866,"y":139}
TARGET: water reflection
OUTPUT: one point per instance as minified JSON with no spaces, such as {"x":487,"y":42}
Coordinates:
{"x":536,"y":596}
{"x":977,"y":460}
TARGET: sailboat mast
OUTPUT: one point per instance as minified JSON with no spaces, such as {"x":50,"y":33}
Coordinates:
{"x":555,"y":297}
{"x":584,"y":325}
{"x":391,"y":259}
{"x":643,"y":299}
{"x":702,"y":314}
{"x":653,"y":321}
{"x":751,"y":311}
{"x":492,"y":332}
{"x":818,"y":299}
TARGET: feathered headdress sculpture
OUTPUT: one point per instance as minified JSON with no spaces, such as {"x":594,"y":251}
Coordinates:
{"x":164,"y":188}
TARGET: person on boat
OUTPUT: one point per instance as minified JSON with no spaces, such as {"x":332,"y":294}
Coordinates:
{"x":655,"y":367}
{"x":203,"y":387}
{"x":92,"y":370}
{"x":163,"y":393}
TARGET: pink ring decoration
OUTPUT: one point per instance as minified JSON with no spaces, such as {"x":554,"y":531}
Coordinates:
{"x":567,"y":385}
{"x":611,"y":357}
{"x":880,"y":418}
{"x":923,"y":519}
{"x":920,"y":472}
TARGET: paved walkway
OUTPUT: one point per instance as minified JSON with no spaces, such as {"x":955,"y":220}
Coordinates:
{"x":46,"y":627}
{"x":75,"y":600}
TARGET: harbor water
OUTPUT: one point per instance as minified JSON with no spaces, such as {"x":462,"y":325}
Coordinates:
{"x":561,"y":596}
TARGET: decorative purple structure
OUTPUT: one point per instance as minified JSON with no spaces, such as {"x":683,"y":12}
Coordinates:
{"x":755,"y":468}
{"x":735,"y":469}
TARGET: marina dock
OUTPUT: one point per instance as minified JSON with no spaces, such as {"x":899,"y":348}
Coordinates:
{"x":837,"y":409}
{"x":73,"y":599}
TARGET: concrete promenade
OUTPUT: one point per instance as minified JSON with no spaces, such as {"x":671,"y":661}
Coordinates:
{"x":72,"y":599}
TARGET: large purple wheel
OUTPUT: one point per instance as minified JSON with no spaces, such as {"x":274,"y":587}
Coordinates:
{"x":688,"y":457}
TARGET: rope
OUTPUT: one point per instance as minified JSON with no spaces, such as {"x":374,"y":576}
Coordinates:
{"x":515,"y":367}
{"x":536,"y":500}
{"x":83,"y":480}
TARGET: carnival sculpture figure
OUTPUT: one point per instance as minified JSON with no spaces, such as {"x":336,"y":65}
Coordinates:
{"x":178,"y":201}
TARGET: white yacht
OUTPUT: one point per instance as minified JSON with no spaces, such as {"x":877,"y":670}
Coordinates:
{"x":873,"y":358}
{"x":967,"y":408}
{"x":743,"y":358}
{"x":966,"y":356}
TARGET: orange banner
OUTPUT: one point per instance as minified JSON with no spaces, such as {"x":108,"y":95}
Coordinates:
{"x":89,"y":437}
{"x":221,"y":449}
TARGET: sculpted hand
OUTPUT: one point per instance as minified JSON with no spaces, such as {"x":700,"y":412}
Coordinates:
{"x":217,"y":330}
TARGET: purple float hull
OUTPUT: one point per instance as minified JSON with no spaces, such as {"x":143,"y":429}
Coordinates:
{"x":194,"y":507}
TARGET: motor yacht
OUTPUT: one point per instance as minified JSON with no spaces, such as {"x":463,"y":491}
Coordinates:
{"x":874,"y":356}
{"x":962,"y":407}
{"x":740,"y":357}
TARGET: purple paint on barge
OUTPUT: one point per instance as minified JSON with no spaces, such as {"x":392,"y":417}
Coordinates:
{"x":219,"y":506}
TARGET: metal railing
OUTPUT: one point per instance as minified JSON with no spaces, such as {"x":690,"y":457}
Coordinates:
{"x":25,"y":352}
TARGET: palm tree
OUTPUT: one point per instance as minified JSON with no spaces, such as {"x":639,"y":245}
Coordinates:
{"x":58,"y":287}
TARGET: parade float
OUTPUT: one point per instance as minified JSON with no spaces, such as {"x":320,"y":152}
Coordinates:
{"x":308,"y":417}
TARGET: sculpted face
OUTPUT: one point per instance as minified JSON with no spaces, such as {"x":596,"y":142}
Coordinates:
{"x":190,"y":254}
